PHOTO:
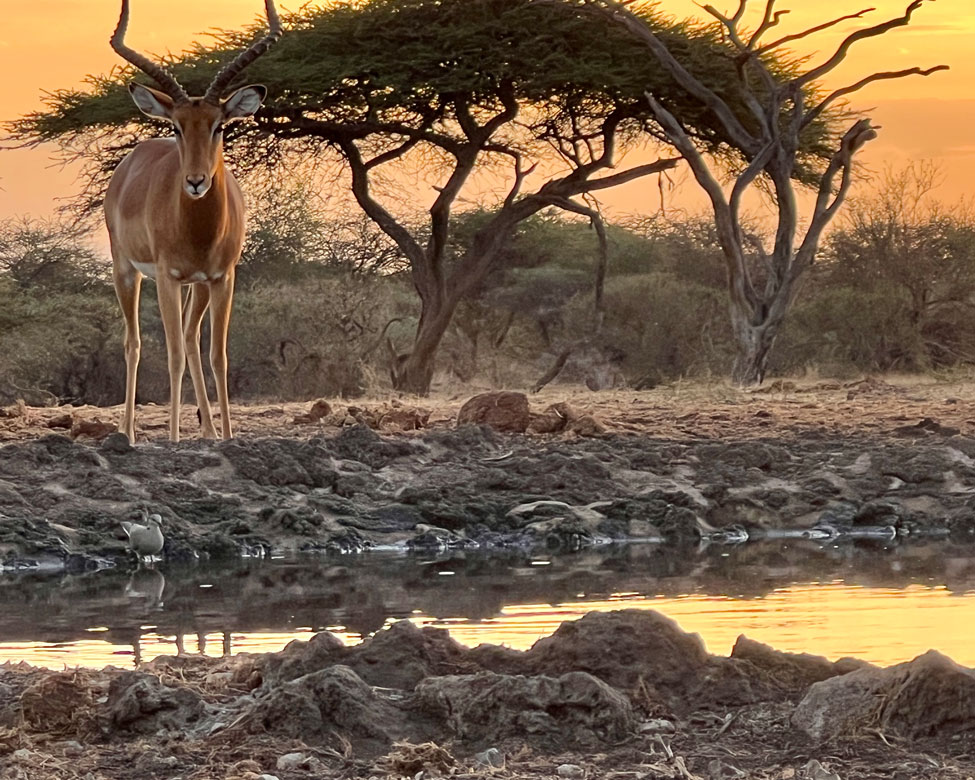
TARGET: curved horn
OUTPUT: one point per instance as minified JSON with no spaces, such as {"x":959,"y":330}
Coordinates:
{"x":167,"y":83}
{"x":246,"y":57}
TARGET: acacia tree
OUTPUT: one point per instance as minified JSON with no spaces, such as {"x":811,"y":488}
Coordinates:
{"x":451,"y":86}
{"x":781,"y":110}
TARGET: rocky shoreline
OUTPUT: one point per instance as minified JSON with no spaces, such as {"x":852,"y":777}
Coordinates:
{"x":616,"y":695}
{"x":352,"y":488}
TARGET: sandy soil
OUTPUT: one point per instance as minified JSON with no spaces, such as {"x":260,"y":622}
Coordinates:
{"x":678,"y":411}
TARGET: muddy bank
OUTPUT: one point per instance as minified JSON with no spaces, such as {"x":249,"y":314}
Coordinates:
{"x":61,"y":501}
{"x":621,"y":694}
{"x":873,"y":461}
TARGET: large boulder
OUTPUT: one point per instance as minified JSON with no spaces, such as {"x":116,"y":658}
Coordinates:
{"x":504,"y":411}
{"x":332,"y":701}
{"x":627,"y":649}
{"x":929,"y":695}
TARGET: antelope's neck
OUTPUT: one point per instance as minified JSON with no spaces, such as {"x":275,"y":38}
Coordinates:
{"x":205,"y":221}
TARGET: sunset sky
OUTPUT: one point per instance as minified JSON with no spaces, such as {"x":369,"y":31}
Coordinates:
{"x":51,"y":44}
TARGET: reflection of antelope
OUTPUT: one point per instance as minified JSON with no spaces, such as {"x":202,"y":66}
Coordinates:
{"x":176,"y":214}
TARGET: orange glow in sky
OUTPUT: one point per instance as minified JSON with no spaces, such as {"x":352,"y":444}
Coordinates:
{"x":52,"y":44}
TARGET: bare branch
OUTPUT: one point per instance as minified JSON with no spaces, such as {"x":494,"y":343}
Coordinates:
{"x":622,"y":177}
{"x":737,"y":132}
{"x":813,"y":113}
{"x":566,"y":204}
{"x":867,"y":32}
{"x":824,"y":211}
{"x":742,"y":289}
{"x":811,"y":31}
{"x":392,"y":154}
{"x":386,"y":221}
{"x":769,"y":20}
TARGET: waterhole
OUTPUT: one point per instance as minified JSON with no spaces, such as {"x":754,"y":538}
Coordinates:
{"x":882,"y":604}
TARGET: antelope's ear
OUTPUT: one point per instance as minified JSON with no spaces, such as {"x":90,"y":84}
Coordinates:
{"x":152,"y":102}
{"x":244,"y":102}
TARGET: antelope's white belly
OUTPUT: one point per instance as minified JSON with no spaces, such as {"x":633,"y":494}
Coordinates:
{"x":146,"y":269}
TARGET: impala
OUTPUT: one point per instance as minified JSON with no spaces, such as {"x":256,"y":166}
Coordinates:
{"x":176,"y":214}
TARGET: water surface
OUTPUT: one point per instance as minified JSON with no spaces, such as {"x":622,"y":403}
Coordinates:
{"x":883,"y":604}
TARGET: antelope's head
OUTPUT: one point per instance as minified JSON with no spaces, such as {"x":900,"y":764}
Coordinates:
{"x":197,"y":122}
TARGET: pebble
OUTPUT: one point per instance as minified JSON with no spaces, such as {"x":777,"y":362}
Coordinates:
{"x":571,"y":771}
{"x":73,"y":749}
{"x":291,"y":761}
{"x":21,"y":756}
{"x":492,"y":758}
{"x":267,"y":777}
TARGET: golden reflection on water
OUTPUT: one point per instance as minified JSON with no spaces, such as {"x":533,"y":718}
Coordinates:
{"x":883,"y":626}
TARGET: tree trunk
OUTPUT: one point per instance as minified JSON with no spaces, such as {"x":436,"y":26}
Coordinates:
{"x":754,"y":347}
{"x":413,"y":373}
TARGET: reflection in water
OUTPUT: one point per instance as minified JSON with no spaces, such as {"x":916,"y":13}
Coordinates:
{"x":882,"y":604}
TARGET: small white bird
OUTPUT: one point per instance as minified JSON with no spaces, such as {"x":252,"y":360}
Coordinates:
{"x":146,"y":540}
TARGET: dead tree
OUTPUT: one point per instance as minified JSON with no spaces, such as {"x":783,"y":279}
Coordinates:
{"x":783,"y":110}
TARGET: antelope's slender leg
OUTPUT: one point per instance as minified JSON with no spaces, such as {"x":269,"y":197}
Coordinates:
{"x":171,"y":311}
{"x":221,"y":300}
{"x":198,"y":301}
{"x":128,"y":285}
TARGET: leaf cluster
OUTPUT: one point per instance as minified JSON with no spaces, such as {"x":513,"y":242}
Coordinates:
{"x":377,"y":70}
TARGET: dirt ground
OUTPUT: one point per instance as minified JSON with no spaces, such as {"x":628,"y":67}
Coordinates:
{"x":614,"y":695}
{"x":617,"y":695}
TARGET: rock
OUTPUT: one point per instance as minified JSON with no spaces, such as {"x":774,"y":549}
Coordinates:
{"x":404,"y":419}
{"x":73,"y":749}
{"x":364,"y":445}
{"x":587,"y":425}
{"x":319,"y":411}
{"x":61,"y":421}
{"x":335,"y":700}
{"x":94,"y":429}
{"x":554,"y":419}
{"x":117,"y":443}
{"x":492,"y":758}
{"x":570,"y":771}
{"x":290,"y":761}
{"x":504,"y":411}
{"x":575,"y":708}
{"x":139,"y":702}
{"x":648,"y":649}
{"x":267,"y":777}
{"x":878,"y":513}
{"x":22,"y":756}
{"x":924,"y":697}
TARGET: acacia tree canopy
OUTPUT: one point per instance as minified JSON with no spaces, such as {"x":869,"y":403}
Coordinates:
{"x":476,"y":81}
